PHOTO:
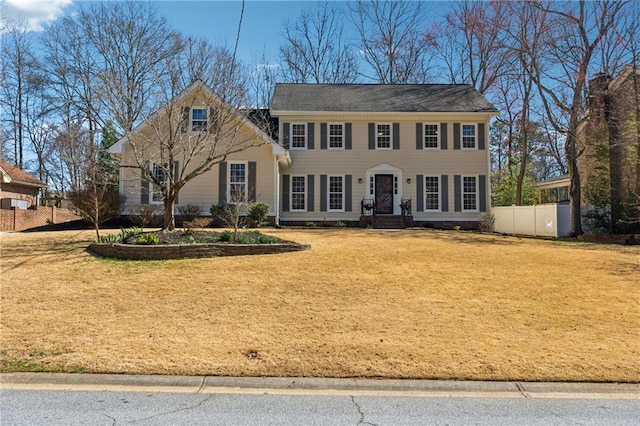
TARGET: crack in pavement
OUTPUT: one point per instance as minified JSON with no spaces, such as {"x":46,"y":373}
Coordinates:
{"x":190,"y":407}
{"x":360,"y":413}
{"x":113,"y":419}
{"x":521,"y":389}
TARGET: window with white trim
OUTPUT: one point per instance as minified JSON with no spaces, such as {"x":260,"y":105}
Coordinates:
{"x":299,"y":135}
{"x":298,"y":193}
{"x":336,"y":136}
{"x":199,"y":119}
{"x":237,"y":182}
{"x":383,"y":136}
{"x":154,"y":190}
{"x":469,"y":193}
{"x":431,"y":136}
{"x":469,"y":136}
{"x":336,"y":193}
{"x":432,"y":193}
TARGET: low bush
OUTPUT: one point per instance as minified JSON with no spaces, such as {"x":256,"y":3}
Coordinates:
{"x":258,"y":214}
{"x":189,"y":211}
{"x":147,"y":239}
{"x":123,"y":235}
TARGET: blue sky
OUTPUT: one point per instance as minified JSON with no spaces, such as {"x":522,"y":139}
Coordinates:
{"x":216,"y":21}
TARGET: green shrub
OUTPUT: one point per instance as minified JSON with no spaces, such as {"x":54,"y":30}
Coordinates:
{"x":226,"y":236}
{"x":122,"y":236}
{"x":147,"y":239}
{"x":189,"y":211}
{"x":266,"y":239}
{"x":258,"y":214}
{"x":340,"y":224}
{"x":242,"y":239}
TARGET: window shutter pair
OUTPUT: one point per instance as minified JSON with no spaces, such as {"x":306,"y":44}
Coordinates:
{"x":146,"y":183}
{"x":420,"y":136}
{"x":324,"y":136}
{"x":286,"y":192}
{"x":348,"y":193}
{"x":286,"y":135}
{"x":395,"y":134}
{"x":481,"y":142}
{"x":482,"y":193}
{"x":444,"y":193}
{"x":222,"y":181}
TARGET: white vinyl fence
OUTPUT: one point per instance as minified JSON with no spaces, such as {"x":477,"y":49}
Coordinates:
{"x":543,"y":220}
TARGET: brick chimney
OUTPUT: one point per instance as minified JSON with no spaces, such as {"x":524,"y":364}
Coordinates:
{"x":598,"y":88}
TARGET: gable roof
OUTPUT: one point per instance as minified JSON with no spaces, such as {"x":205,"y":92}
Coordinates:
{"x":12,"y":174}
{"x":118,"y":147}
{"x":379,"y":98}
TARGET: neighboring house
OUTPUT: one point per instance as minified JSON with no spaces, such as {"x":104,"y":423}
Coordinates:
{"x":349,"y":153}
{"x":17,"y":188}
{"x":554,"y":190}
{"x":610,"y":137}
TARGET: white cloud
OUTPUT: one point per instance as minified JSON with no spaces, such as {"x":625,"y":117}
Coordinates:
{"x":34,"y":12}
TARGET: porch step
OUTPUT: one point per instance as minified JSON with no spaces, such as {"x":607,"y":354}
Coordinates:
{"x":386,"y":221}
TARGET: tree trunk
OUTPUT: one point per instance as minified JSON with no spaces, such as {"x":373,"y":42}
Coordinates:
{"x":571,"y":151}
{"x":169,"y":223}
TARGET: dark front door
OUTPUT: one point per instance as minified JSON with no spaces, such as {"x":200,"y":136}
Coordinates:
{"x":384,"y":194}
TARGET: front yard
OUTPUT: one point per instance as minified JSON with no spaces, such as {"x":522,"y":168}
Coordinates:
{"x":400,"y":304}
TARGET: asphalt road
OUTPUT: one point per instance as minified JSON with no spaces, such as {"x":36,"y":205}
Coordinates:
{"x":59,"y":399}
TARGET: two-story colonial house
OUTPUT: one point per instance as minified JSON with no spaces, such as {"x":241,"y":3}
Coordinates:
{"x":357,"y":153}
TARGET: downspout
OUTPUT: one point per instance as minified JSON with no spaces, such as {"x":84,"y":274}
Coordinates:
{"x":276,"y":176}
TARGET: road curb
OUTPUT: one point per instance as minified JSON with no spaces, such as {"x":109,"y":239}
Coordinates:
{"x":310,"y":386}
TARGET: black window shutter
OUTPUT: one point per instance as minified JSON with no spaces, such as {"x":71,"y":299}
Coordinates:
{"x":443,"y":135}
{"x":323,"y":136}
{"x":310,"y":193}
{"x":444,"y":190}
{"x":482,"y":185}
{"x":222,"y":183}
{"x":457,"y":192}
{"x":347,"y":136}
{"x":372,"y":135}
{"x":348,"y":195}
{"x":419,"y":143}
{"x":144,"y":188}
{"x":252,"y":181}
{"x":310,"y":136}
{"x":456,"y":135}
{"x":285,"y":193}
{"x":420,"y":193}
{"x":176,"y":172}
{"x":481,"y":141}
{"x":285,"y":135}
{"x":323,"y":193}
{"x":396,"y":135}
{"x":185,"y":120}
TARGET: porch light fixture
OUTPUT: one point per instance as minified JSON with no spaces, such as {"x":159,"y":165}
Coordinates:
{"x":359,"y":180}
{"x":408,"y":180}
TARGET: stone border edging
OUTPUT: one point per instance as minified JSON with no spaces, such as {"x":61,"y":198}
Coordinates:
{"x":188,"y":251}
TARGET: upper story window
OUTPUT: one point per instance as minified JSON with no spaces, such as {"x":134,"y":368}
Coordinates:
{"x":298,"y":193}
{"x":469,"y":193}
{"x":299,"y":135}
{"x":383,"y":136}
{"x":431,"y":136}
{"x":469,"y":136}
{"x":154,"y":189}
{"x":237,"y":182}
{"x":199,"y":118}
{"x":336,"y":136}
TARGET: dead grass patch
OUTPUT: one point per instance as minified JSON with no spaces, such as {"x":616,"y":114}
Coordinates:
{"x":360,"y":303}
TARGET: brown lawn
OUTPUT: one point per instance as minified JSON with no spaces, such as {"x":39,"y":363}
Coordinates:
{"x":364,"y":303}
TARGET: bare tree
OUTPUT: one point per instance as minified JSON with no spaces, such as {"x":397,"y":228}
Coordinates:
{"x":315,"y":51}
{"x":393,"y":40}
{"x":572,"y":33}
{"x":472,"y":43}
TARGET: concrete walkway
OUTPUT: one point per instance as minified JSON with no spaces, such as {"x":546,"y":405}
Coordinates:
{"x":315,"y":386}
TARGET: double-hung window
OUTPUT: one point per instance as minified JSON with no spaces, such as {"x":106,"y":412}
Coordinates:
{"x":336,"y":136}
{"x":237,"y":182}
{"x":469,"y":193}
{"x":154,"y":190}
{"x":469,"y":136}
{"x":431,"y":136}
{"x":336,"y":193}
{"x":383,"y":136}
{"x":432,"y":193}
{"x":298,"y":193}
{"x":199,"y":119}
{"x":298,"y":135}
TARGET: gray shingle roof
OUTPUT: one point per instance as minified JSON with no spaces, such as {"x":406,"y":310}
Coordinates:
{"x":379,"y":98}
